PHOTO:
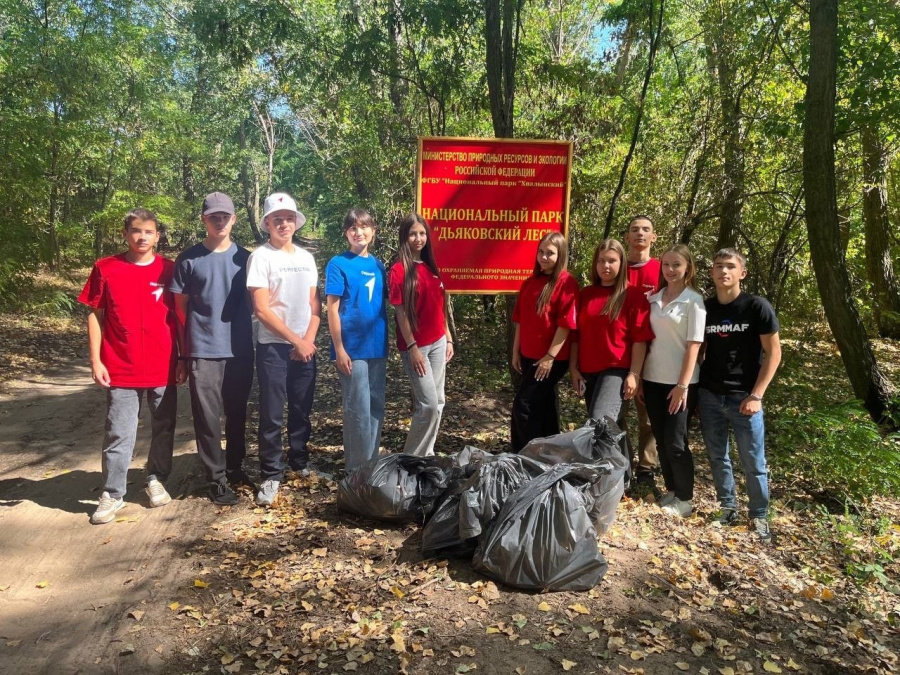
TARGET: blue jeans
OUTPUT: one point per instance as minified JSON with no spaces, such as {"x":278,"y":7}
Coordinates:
{"x":716,"y":414}
{"x":363,"y":400}
{"x":281,"y":378}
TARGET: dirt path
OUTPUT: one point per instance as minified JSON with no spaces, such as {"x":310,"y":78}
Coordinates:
{"x":68,"y":587}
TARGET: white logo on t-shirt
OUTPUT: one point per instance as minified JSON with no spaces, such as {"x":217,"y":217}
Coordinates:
{"x":159,"y":290}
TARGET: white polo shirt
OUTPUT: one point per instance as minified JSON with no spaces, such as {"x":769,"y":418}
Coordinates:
{"x":681,"y":321}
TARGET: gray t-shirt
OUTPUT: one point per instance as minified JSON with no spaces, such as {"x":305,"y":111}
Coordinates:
{"x":218,"y":317}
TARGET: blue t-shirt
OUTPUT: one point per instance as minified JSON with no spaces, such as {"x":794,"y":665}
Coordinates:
{"x":218,"y":316}
{"x":359,"y":282}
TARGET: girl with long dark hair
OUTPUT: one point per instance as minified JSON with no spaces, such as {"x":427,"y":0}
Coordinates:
{"x":423,"y":336}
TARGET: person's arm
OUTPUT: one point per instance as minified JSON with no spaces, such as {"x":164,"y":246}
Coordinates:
{"x":333,"y":311}
{"x":516,"y":362}
{"x":578,"y":382}
{"x":268,"y":318}
{"x":99,"y":373}
{"x":771,"y":345}
{"x":181,"y":308}
{"x":679,"y":394}
{"x":306,"y":350}
{"x":633,"y":378}
{"x":545,"y":363}
{"x":416,"y":358}
{"x":449,"y":336}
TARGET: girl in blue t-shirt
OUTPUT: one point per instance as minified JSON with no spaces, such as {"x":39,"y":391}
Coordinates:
{"x":357,"y":321}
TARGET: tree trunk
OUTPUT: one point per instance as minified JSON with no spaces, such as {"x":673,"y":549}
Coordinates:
{"x":655,"y":35}
{"x":866,"y":378}
{"x":879,"y":266}
{"x":502,"y":25}
{"x":721,"y":56}
{"x":249,"y":186}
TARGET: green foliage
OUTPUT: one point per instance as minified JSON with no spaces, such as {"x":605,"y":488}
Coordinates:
{"x":836,"y":450}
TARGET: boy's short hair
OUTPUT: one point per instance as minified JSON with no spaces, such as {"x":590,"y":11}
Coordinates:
{"x":139,"y":214}
{"x":730,"y":253}
{"x":641,"y":216}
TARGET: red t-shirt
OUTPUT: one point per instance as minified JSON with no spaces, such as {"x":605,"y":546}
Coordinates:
{"x":536,"y":331}
{"x":645,"y":276}
{"x":138,"y":347}
{"x":429,"y":304}
{"x":603,"y":343}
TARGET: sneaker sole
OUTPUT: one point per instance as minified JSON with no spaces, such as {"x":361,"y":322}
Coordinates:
{"x":103,"y":520}
{"x":157,"y":502}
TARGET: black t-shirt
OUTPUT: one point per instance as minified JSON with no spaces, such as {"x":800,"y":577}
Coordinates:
{"x":733,"y":348}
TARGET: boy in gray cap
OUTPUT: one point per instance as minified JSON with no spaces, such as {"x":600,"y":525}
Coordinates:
{"x":215,"y":334}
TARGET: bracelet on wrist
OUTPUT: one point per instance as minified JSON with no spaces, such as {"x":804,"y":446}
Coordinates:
{"x":756,"y":398}
{"x":636,"y":376}
{"x":412,"y":344}
{"x":683,"y":387}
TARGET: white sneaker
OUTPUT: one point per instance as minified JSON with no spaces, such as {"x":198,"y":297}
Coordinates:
{"x":666,"y":499}
{"x":678,"y":507}
{"x":107,"y":509}
{"x":157,"y":493}
{"x":268,"y":492}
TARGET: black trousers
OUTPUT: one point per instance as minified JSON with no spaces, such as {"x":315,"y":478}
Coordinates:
{"x":220,"y":386}
{"x":534,"y":411}
{"x":671,"y":434}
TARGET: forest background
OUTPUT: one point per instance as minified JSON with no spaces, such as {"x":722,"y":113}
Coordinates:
{"x":770,"y":125}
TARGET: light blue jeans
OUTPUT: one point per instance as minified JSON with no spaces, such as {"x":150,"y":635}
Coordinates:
{"x":363,"y":400}
{"x":717,"y":413}
{"x":428,"y":392}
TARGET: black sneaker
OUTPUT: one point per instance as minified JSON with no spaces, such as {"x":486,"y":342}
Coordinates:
{"x":221,"y":494}
{"x":239,"y":479}
{"x":725,"y":517}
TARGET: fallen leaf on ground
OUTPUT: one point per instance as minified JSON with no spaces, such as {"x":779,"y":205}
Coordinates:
{"x":568,"y":665}
{"x":770,"y":667}
{"x":199,"y":583}
{"x":543,"y":607}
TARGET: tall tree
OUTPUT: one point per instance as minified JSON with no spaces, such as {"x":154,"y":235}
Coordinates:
{"x":879,"y":266}
{"x":866,"y":377}
{"x":656,"y":26}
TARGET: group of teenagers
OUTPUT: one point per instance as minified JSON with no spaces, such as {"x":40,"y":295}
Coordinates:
{"x":639,"y":331}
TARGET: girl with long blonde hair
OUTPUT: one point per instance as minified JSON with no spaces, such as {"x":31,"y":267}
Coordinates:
{"x":544,"y":315}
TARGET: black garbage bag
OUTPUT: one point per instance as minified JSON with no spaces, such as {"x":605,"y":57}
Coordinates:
{"x":398,"y":488}
{"x":468,"y":506}
{"x":543,"y":538}
{"x":597,"y":444}
{"x":486,"y":491}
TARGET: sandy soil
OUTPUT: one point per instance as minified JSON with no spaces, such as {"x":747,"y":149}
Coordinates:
{"x":67,"y":586}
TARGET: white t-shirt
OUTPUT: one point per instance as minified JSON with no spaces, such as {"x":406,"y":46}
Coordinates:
{"x":681,"y":321}
{"x":288,"y":276}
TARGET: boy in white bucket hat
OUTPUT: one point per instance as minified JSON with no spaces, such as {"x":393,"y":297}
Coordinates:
{"x":283,"y":279}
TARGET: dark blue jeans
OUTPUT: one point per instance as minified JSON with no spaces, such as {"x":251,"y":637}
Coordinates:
{"x":282,"y":379}
{"x":717,"y":414}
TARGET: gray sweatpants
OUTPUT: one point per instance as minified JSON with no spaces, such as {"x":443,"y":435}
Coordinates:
{"x":122,"y":414}
{"x":428,"y":392}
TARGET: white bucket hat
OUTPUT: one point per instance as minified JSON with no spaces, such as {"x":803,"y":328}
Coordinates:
{"x":282,"y":201}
